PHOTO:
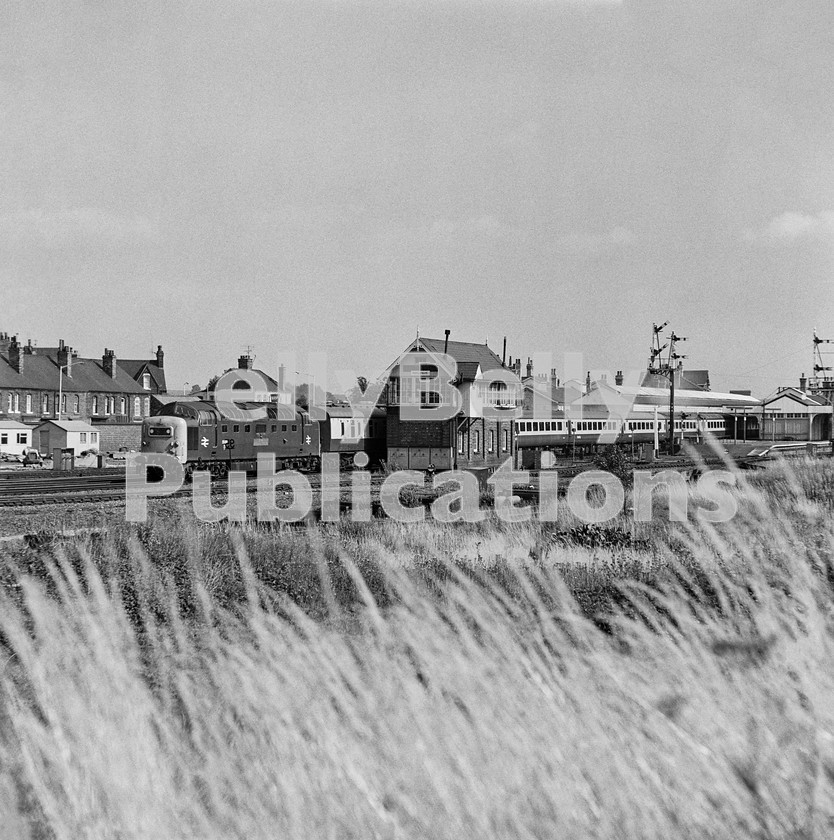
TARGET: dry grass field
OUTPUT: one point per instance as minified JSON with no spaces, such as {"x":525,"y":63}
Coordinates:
{"x":176,"y":680}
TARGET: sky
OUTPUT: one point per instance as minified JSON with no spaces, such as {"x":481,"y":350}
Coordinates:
{"x":333,"y":177}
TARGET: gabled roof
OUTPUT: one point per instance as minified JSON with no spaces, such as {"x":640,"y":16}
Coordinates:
{"x":13,"y":424}
{"x":41,"y":373}
{"x":69,"y":425}
{"x":461,"y":351}
{"x":136,"y":367}
{"x":798,"y":396}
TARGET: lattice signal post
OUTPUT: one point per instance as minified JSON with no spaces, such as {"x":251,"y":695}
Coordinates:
{"x":666,"y":366}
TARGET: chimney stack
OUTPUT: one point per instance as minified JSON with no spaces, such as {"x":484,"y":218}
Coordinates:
{"x":618,"y":379}
{"x":16,"y":354}
{"x":4,"y":342}
{"x":160,"y":357}
{"x":504,"y":354}
{"x":65,"y":357}
{"x":803,"y":383}
{"x":281,"y":374}
{"x":245,"y":362}
{"x":446,"y":343}
{"x":529,"y":366}
{"x":108,"y":362}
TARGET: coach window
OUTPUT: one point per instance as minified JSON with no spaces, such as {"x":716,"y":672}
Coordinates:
{"x":236,"y":428}
{"x":247,"y":428}
{"x":283,"y":427}
{"x":294,"y":427}
{"x":274,"y":427}
{"x":224,"y":428}
{"x":260,"y":429}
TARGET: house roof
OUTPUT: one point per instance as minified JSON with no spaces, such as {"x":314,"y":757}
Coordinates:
{"x":469,"y":357}
{"x":41,"y":372}
{"x":69,"y":425}
{"x":461,"y":352}
{"x":13,"y":424}
{"x":136,"y":367}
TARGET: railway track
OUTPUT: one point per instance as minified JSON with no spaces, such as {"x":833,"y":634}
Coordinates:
{"x":41,"y":490}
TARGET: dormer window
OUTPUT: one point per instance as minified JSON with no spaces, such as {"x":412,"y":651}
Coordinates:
{"x":146,"y":381}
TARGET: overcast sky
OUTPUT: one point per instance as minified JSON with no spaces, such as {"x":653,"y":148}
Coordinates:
{"x":334,"y":176}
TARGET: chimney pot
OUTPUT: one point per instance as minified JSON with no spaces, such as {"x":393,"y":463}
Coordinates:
{"x":160,"y":357}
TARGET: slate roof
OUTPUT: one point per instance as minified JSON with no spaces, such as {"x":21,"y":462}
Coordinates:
{"x":136,"y":367}
{"x":462,"y":352}
{"x":41,"y":373}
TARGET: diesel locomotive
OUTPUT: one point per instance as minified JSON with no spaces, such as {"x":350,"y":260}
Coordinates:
{"x":202,"y":437}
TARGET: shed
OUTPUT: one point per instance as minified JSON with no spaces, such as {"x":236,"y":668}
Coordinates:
{"x":15,"y":437}
{"x":66,"y":434}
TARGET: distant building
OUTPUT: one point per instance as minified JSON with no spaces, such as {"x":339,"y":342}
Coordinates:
{"x":466,"y":441}
{"x":55,"y":383}
{"x":15,"y":437}
{"x":264,"y":388}
{"x":148,"y":373}
{"x":794,"y":414}
{"x":66,"y":434}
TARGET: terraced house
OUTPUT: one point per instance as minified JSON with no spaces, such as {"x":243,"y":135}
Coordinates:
{"x":55,"y":383}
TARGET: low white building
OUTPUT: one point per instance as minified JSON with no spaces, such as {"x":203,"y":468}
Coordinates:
{"x":66,"y":434}
{"x":15,"y":437}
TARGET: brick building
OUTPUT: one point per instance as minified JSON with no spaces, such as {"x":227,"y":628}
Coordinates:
{"x":469,"y":440}
{"x":54,"y":383}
